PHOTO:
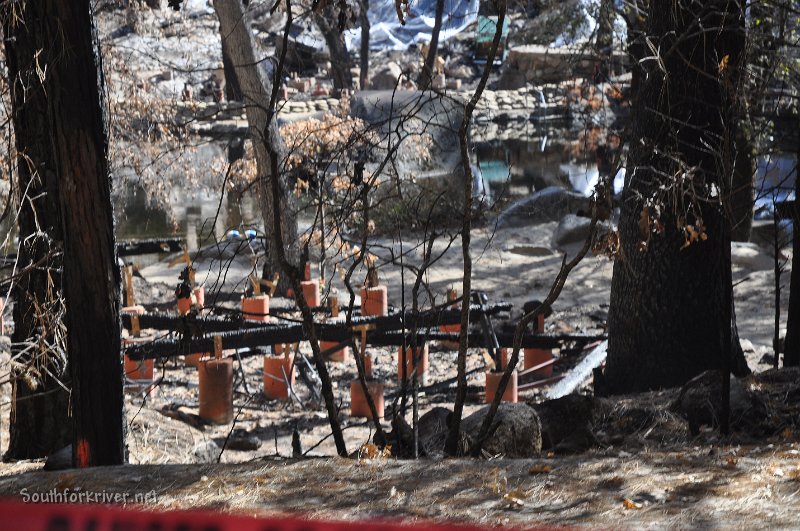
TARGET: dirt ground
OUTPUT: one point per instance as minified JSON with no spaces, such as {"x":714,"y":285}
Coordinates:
{"x":704,"y":487}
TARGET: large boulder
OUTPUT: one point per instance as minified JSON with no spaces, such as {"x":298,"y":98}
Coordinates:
{"x":518,"y":432}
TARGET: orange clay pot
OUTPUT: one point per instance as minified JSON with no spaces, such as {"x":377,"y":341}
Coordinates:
{"x":375,"y":301}
{"x":492,"y":381}
{"x":311,"y":293}
{"x":216,"y":390}
{"x":422,"y":364}
{"x":339,"y":356}
{"x":536,"y":356}
{"x":193,"y":360}
{"x":277,"y":370}
{"x":137,"y":370}
{"x":451,"y":328}
{"x":184,"y":305}
{"x":368,"y":366}
{"x":256,"y":308}
{"x":358,"y":400}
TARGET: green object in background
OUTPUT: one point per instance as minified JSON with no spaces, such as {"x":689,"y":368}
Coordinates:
{"x":494,"y":170}
{"x":484,"y":36}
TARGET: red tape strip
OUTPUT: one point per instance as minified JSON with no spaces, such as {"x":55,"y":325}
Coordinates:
{"x":17,"y":516}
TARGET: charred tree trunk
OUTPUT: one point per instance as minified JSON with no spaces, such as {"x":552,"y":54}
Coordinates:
{"x":233,"y":92}
{"x":75,"y":103}
{"x":326,"y":19}
{"x":40,"y":422}
{"x":363,"y":18}
{"x":791,"y":352}
{"x":426,"y":76}
{"x":256,"y":87}
{"x":671,"y":304}
{"x":742,"y":193}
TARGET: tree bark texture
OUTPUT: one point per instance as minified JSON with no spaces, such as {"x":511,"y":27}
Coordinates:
{"x":256,"y":87}
{"x":40,"y":421}
{"x":671,"y":305}
{"x":363,"y":20}
{"x":791,"y":352}
{"x":75,"y":105}
{"x":326,"y":19}
{"x":232,"y":93}
{"x":426,"y":76}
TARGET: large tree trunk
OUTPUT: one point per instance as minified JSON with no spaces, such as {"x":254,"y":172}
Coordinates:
{"x":671,"y":306}
{"x":233,"y":92}
{"x":742,"y":192}
{"x":40,"y":422}
{"x":791,"y":352}
{"x":256,"y":87}
{"x":426,"y":76}
{"x":363,"y":19}
{"x":326,"y":20}
{"x":76,"y":103}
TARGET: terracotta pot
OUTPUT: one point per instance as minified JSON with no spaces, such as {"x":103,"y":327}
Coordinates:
{"x":338,"y":356}
{"x":311,"y":293}
{"x":358,"y":400}
{"x":368,"y":365}
{"x":537,"y":356}
{"x":184,"y":305}
{"x":216,"y":390}
{"x":422,"y":364}
{"x":451,"y":328}
{"x":193,"y":360}
{"x":492,"y":381}
{"x":375,"y":301}
{"x":277,"y":370}
{"x":138,"y":370}
{"x":256,"y":308}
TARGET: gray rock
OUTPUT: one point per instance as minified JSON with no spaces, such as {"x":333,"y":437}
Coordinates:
{"x":549,"y":204}
{"x":433,"y":428}
{"x":206,"y":451}
{"x":571,"y":229}
{"x":566,"y":423}
{"x":518,"y":434}
{"x":700,"y":403}
{"x":386,"y":77}
{"x":243,"y":441}
{"x":60,"y":459}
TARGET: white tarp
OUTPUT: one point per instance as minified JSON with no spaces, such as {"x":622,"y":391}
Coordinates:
{"x":386,"y":32}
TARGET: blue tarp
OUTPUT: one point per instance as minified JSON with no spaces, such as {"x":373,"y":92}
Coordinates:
{"x":386,"y":32}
